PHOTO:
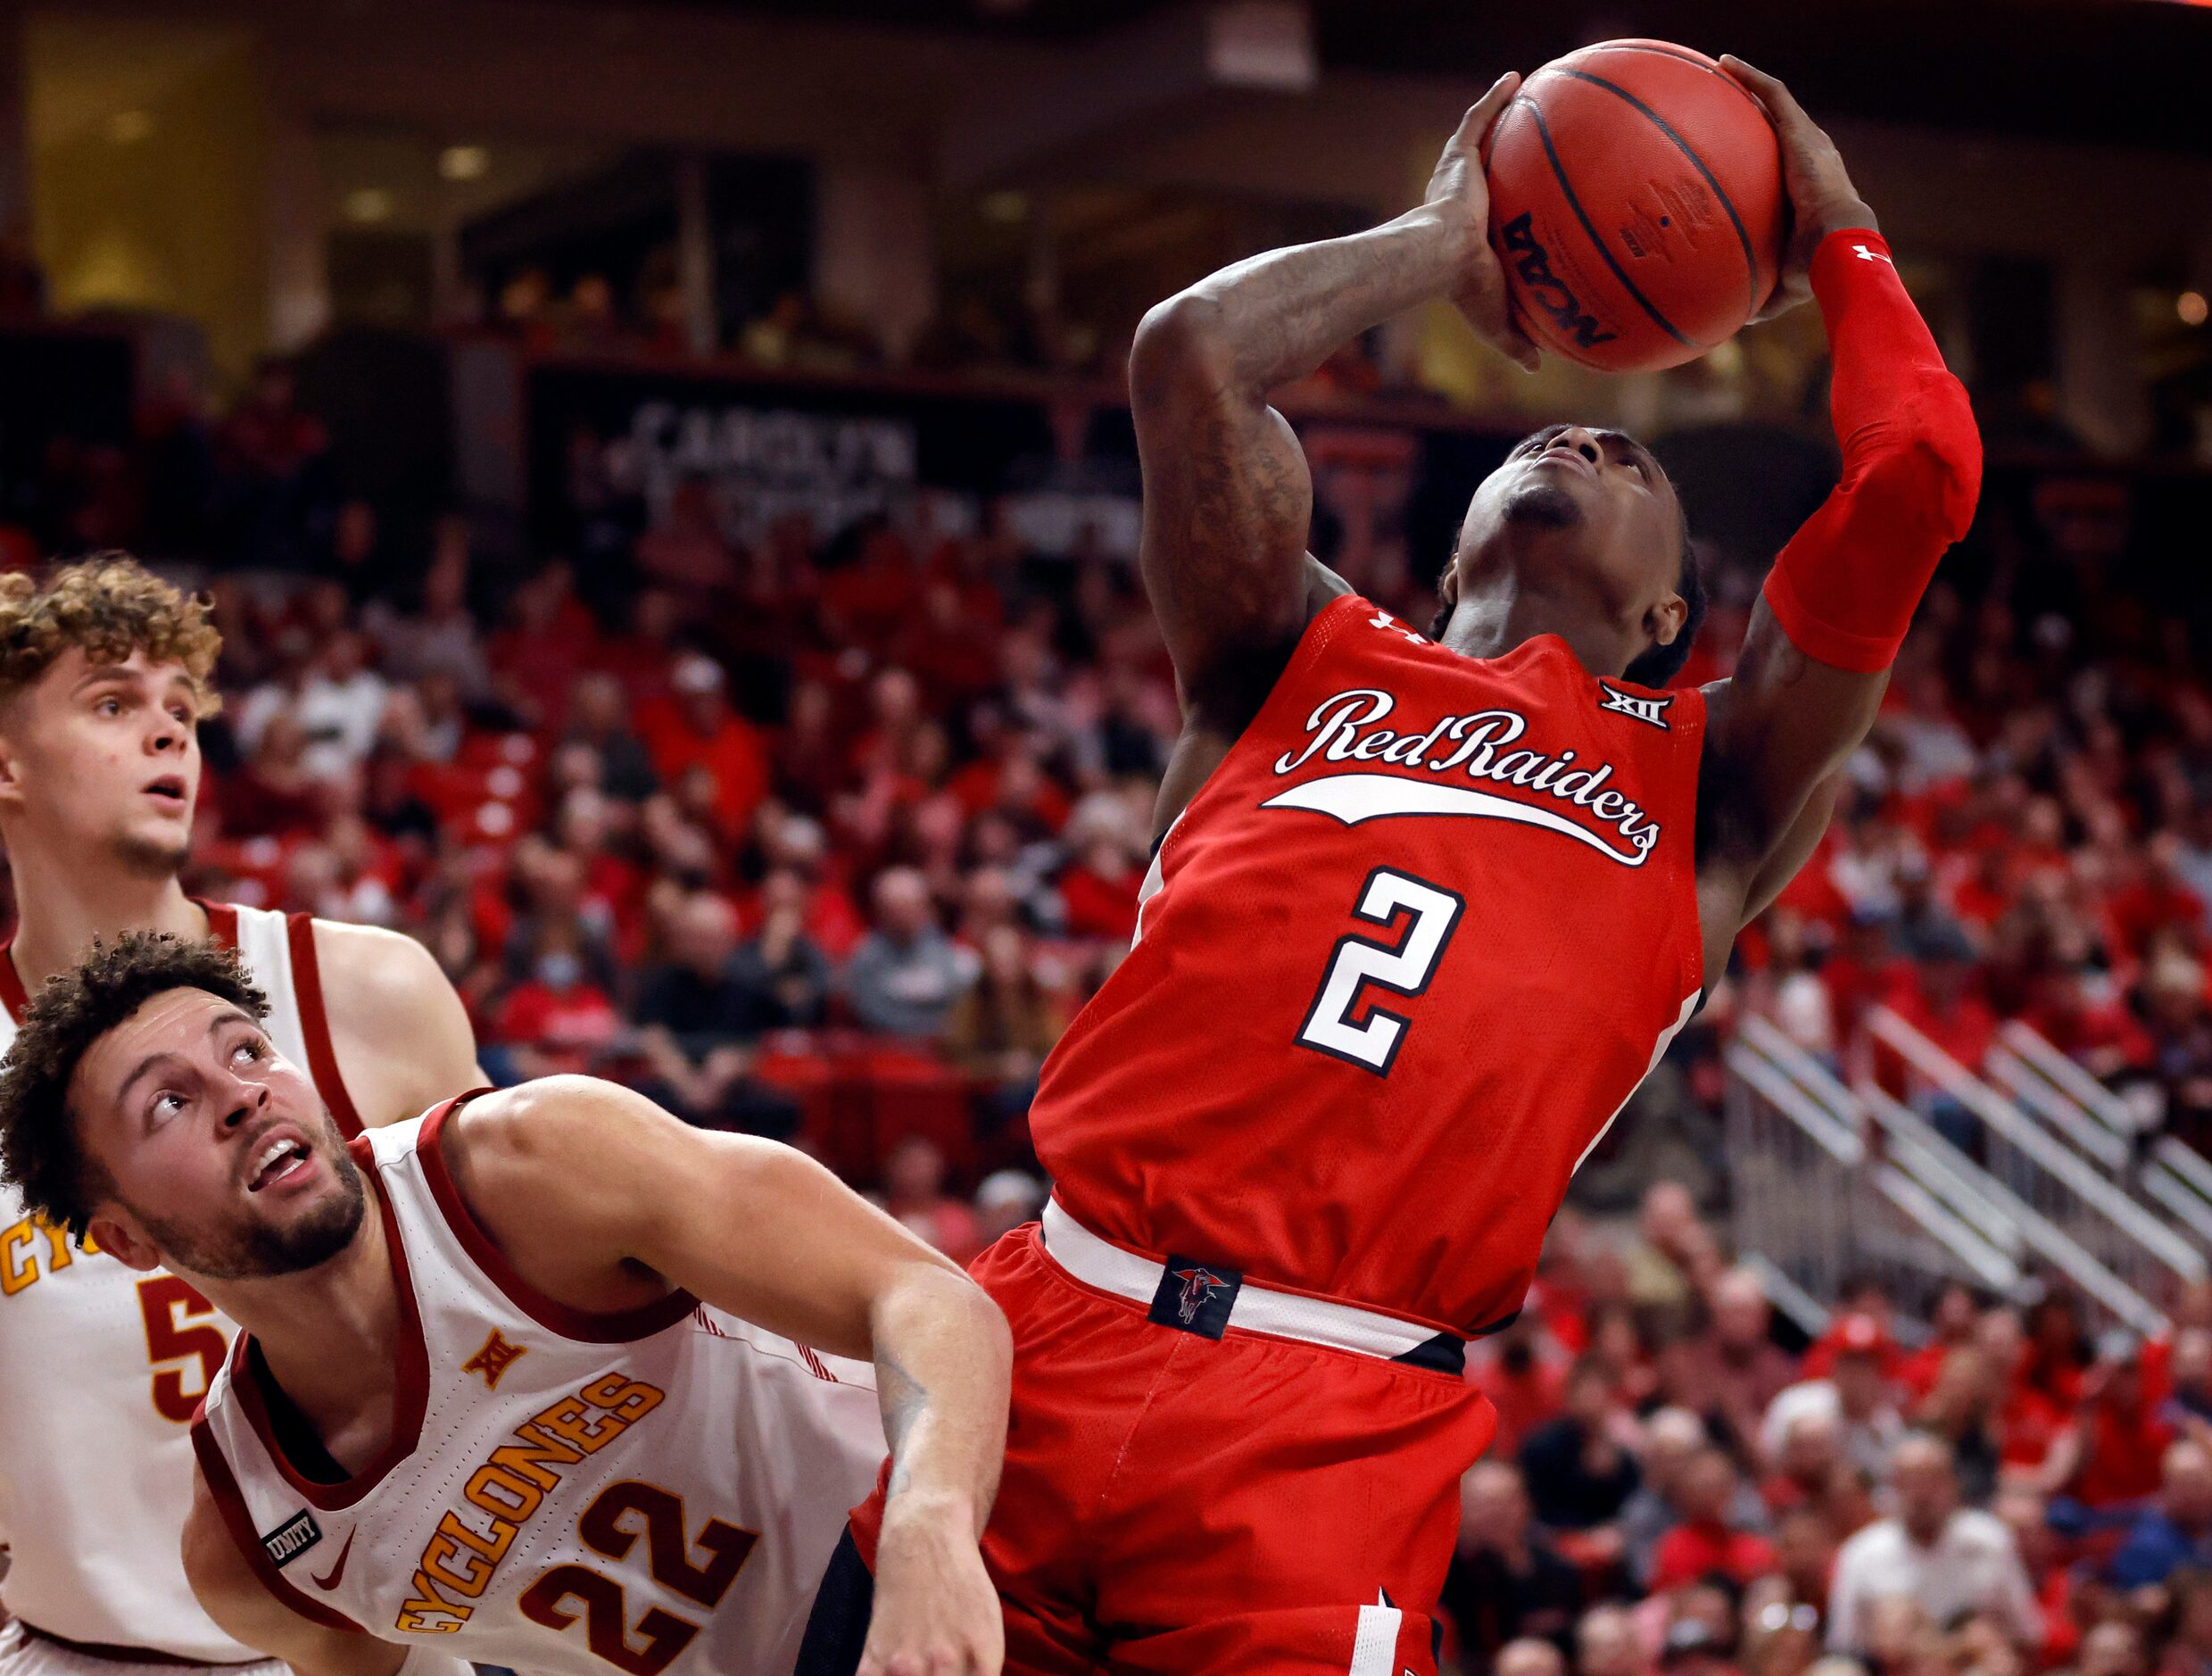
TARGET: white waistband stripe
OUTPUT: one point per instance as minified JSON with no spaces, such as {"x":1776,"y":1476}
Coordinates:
{"x":1101,"y":1264}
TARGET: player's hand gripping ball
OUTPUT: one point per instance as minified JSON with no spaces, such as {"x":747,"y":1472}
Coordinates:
{"x":1636,"y":206}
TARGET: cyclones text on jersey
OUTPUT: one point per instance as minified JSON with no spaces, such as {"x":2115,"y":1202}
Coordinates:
{"x":459,"y":1560}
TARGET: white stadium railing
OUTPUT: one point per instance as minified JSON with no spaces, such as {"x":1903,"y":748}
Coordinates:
{"x":2060,"y":1185}
{"x":1830,"y":1181}
{"x":1814,"y":1205}
{"x":2163,"y":1173}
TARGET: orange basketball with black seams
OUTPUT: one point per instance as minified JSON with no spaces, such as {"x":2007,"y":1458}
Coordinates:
{"x":1637,"y":205}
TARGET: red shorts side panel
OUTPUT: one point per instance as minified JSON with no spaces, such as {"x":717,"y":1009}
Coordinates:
{"x":1173,"y":1503}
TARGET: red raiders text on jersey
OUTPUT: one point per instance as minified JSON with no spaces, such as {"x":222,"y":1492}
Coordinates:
{"x":1400,"y":963}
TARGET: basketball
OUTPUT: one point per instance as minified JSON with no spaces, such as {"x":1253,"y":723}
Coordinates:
{"x":1636,"y":204}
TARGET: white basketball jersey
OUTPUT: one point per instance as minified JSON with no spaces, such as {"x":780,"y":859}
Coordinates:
{"x":101,"y":1369}
{"x":654,"y":1491}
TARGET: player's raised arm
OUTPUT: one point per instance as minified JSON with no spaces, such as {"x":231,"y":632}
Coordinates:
{"x":571,"y":1174}
{"x":1227,"y":497}
{"x":1840,"y":598}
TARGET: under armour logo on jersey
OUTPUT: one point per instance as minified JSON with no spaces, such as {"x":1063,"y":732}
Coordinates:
{"x":292,"y":1538}
{"x":1196,"y":1297}
{"x":1383,"y":619}
{"x":1864,"y":254}
{"x":1645,"y":710}
{"x":496,"y":1357}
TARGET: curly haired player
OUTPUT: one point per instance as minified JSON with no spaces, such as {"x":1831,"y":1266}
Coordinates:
{"x":524,"y":1380}
{"x":1426,"y":909}
{"x":104,"y":677}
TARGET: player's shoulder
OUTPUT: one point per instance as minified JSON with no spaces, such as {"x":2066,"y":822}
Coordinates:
{"x":400,"y":1032}
{"x":372,"y":962}
{"x":551,"y":1126}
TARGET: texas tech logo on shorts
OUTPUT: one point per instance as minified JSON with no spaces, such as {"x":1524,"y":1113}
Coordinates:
{"x":1196,"y":1297}
{"x":292,"y":1538}
{"x":1645,"y":710}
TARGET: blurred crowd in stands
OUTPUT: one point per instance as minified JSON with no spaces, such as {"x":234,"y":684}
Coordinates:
{"x":1674,"y":1490}
{"x":828,"y":837}
{"x":831,"y":837}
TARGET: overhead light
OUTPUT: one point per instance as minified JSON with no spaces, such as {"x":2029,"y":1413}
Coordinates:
{"x":464,"y":162}
{"x":128,"y":127}
{"x":1005,"y":207}
{"x":2191,"y":307}
{"x":368,"y":203}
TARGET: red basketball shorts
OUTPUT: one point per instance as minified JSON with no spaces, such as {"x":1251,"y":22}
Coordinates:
{"x":1186,"y":1492}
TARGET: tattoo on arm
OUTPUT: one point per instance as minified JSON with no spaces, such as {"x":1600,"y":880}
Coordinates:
{"x":904,"y":1400}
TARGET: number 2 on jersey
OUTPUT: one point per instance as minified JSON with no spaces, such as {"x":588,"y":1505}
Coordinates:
{"x":605,"y":1528}
{"x":1420,"y":917}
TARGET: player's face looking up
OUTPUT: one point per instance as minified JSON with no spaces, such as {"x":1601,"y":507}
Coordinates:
{"x":1587,"y":518}
{"x":213,"y":1154}
{"x":105,"y":755}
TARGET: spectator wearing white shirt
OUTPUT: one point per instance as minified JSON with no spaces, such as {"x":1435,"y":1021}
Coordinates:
{"x":1856,"y":1395}
{"x":339,"y":704}
{"x":1948,"y":1559}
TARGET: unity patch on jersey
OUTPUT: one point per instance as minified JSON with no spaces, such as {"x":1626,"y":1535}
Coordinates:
{"x":1645,"y":710}
{"x":292,"y":1538}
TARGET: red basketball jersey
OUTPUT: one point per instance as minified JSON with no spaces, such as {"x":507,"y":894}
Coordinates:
{"x":1400,"y":962}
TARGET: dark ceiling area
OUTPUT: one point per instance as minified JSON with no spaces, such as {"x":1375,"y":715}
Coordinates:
{"x":2131,"y":72}
{"x":2119,"y":71}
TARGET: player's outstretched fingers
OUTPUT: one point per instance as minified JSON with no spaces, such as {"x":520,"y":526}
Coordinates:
{"x":1780,"y":102}
{"x":1484,"y":111}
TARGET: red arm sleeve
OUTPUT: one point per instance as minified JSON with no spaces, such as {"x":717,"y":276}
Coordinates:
{"x":1846,"y":587}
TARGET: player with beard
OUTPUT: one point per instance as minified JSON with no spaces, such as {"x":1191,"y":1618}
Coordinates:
{"x":105,"y":674}
{"x":526,"y":1380}
{"x":1425,"y":910}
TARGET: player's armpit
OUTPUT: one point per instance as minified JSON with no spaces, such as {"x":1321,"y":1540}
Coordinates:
{"x":401,"y":1035}
{"x":241,"y":1605}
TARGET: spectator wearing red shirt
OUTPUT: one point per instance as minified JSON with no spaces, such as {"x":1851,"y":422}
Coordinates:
{"x":1099,"y":892}
{"x":2111,"y":1453}
{"x":2156,"y":899}
{"x":2029,"y":1417}
{"x":1704,"y":1542}
{"x":1524,"y":1376}
{"x":556,"y":1021}
{"x":549,"y":640}
{"x":1860,"y":1326}
{"x":268,"y":436}
{"x":867,"y":600}
{"x":694,"y":727}
{"x":914,"y":1192}
{"x":1951,"y":1324}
